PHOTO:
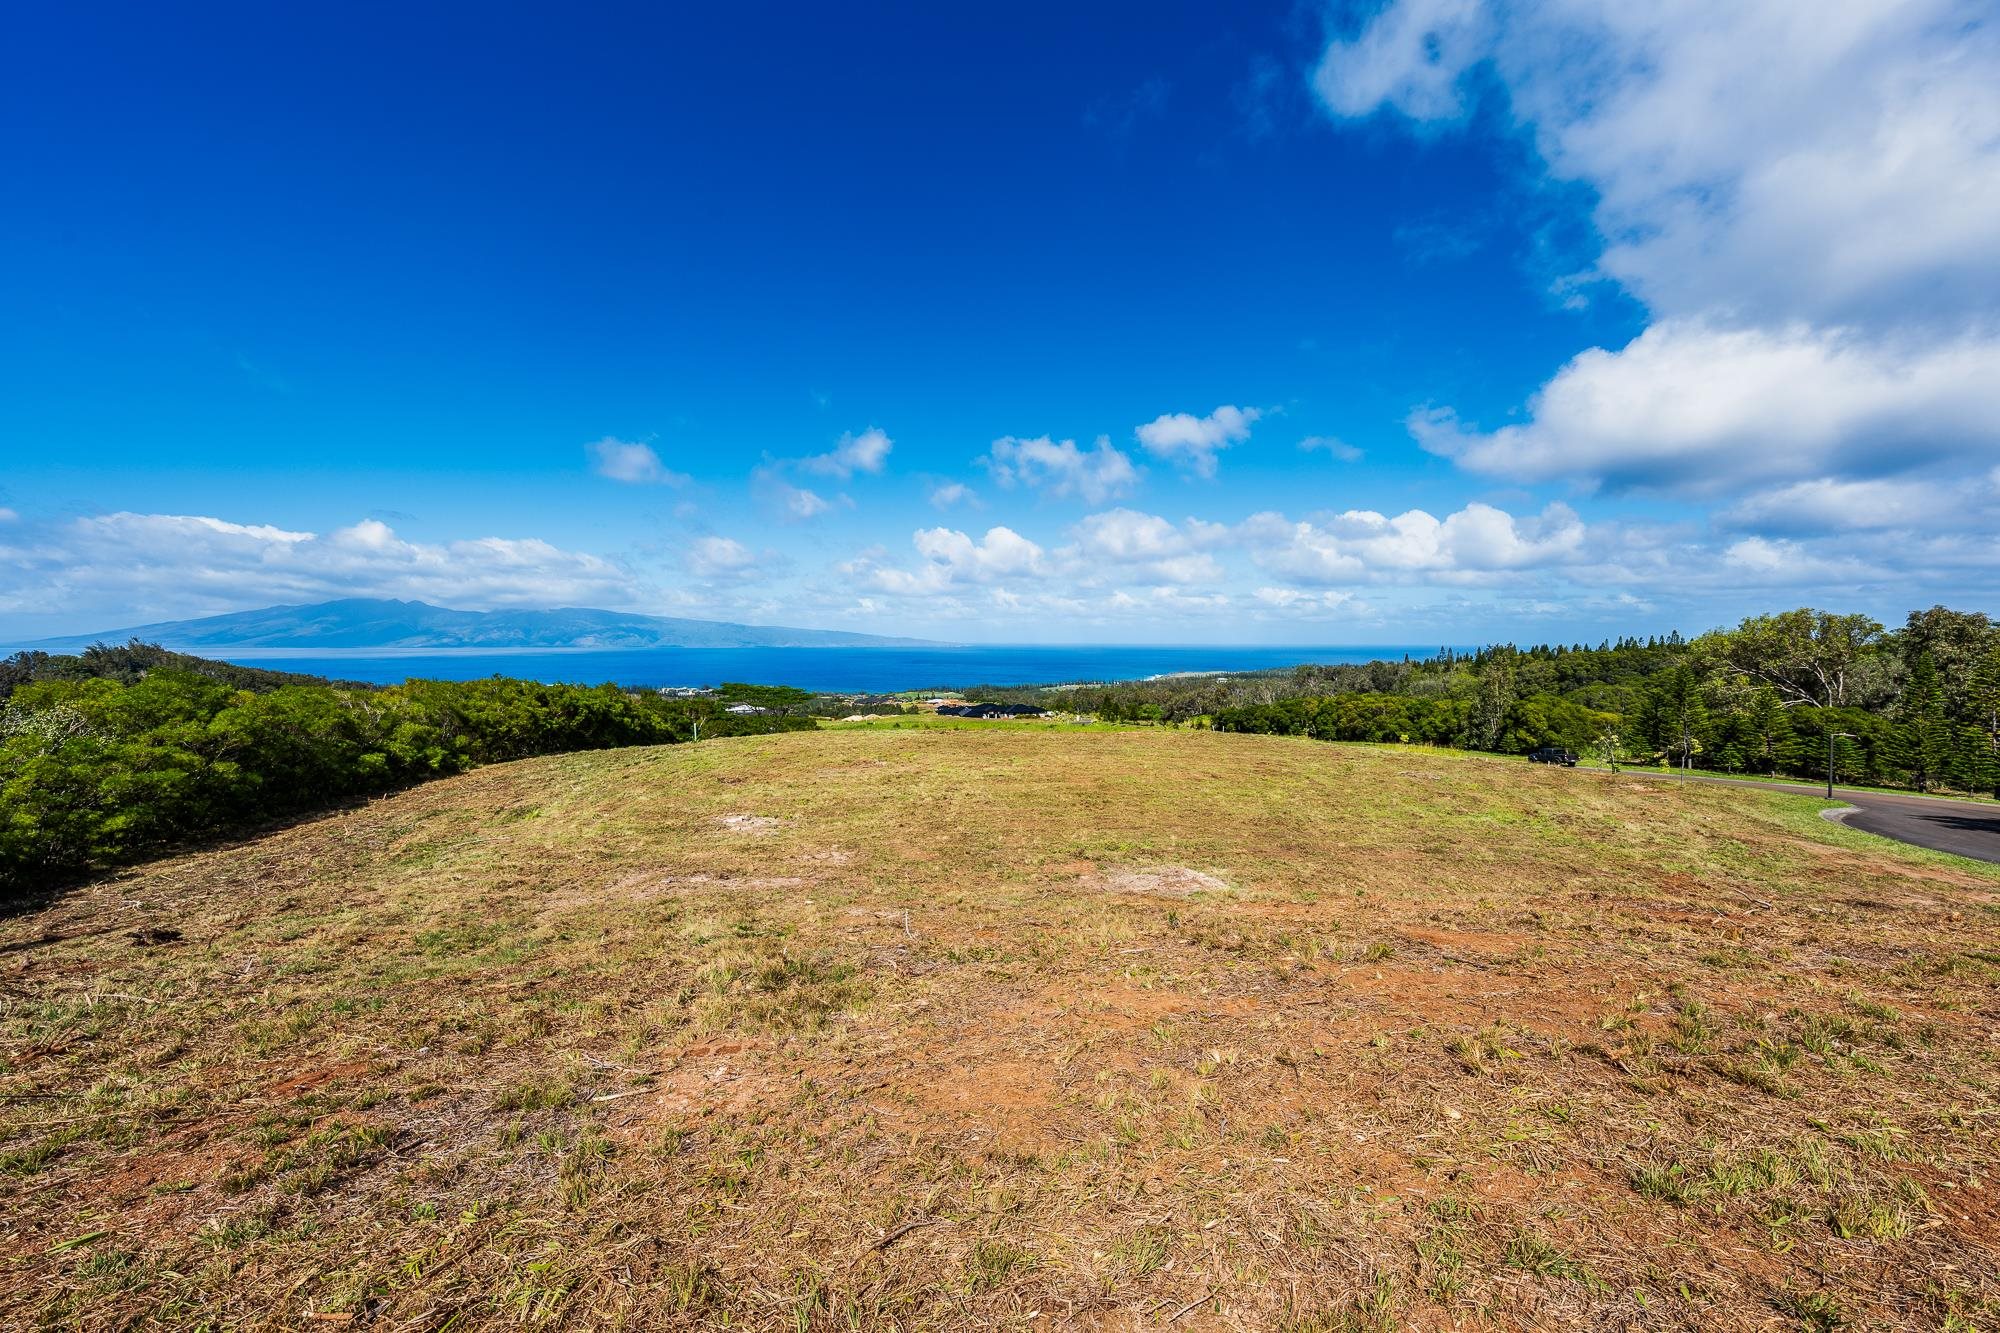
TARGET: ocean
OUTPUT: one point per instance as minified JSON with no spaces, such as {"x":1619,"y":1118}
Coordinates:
{"x":833,"y":670}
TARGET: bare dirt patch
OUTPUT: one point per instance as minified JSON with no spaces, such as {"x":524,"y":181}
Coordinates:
{"x":1471,"y":943}
{"x":1154,"y":882}
{"x":310,"y":1079}
{"x":742,"y":823}
{"x":1007,"y":1103}
{"x":705,"y":1080}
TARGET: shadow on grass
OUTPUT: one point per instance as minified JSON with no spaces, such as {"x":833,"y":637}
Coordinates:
{"x":25,"y":899}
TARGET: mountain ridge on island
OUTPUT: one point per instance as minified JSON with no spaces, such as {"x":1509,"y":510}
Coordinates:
{"x":370,"y":624}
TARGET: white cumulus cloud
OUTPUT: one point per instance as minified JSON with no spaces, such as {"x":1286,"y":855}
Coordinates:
{"x":1412,"y":57}
{"x":1690,"y":408}
{"x":720,"y":558}
{"x":794,"y":504}
{"x":951,"y":558}
{"x":1829,"y":505}
{"x":1304,"y":600}
{"x":1333,"y":448}
{"x":1059,"y":469}
{"x":637,"y":464}
{"x":1002,"y":552}
{"x":1190,"y":442}
{"x":1362,"y":545}
{"x":801,"y":503}
{"x":1124,"y":543}
{"x":866,"y":452}
{"x":1827,"y":161}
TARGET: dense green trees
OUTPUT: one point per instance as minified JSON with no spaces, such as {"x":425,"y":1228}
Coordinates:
{"x":1777,"y":694}
{"x":1525,"y":724}
{"x":1805,"y":656}
{"x":1764,"y":730}
{"x":1352,"y":717}
{"x":97,"y":769}
{"x":129,"y":662}
{"x":1673,"y":718}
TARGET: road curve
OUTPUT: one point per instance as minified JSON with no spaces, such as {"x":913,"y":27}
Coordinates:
{"x":1963,"y":828}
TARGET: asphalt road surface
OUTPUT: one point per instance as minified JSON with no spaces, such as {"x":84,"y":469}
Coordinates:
{"x":1966,"y":828}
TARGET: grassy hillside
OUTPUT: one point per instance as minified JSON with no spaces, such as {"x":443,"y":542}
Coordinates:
{"x":1007,"y":1026}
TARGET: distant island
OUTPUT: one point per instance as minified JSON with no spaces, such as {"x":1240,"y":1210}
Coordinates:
{"x":381,"y":625}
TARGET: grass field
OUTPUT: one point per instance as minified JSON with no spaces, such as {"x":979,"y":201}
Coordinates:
{"x":1004,"y":1026}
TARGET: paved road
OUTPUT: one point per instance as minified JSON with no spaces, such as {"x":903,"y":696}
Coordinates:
{"x":1968,"y":828}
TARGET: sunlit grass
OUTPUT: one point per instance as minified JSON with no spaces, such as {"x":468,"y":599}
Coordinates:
{"x":945,"y":1024}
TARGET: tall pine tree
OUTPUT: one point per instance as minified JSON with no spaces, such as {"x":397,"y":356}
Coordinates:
{"x":1676,"y":716}
{"x":1973,"y":764}
{"x":1768,"y":729}
{"x":1983,"y":703}
{"x":1923,"y":739}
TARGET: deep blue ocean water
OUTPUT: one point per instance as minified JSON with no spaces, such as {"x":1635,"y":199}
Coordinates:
{"x":882,"y":670}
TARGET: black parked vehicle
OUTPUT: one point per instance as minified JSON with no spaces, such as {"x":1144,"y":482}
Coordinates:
{"x":1551,"y":754}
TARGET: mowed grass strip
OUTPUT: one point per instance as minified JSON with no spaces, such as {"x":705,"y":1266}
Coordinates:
{"x":1007,"y":1026}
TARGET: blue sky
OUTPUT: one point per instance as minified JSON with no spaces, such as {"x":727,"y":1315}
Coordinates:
{"x":1444,"y":320}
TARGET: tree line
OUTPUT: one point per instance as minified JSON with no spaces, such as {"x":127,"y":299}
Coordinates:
{"x":122,"y":752}
{"x":1781,"y":694}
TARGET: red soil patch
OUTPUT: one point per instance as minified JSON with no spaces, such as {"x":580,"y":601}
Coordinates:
{"x":721,"y":1076}
{"x":135,"y":1176}
{"x":316,"y":1078}
{"x":1014,"y":1103}
{"x":1481,"y":943}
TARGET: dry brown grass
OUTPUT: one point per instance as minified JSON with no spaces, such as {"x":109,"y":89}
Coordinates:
{"x":942,"y":1035}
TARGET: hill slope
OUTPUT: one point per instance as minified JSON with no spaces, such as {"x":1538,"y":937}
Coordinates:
{"x":374,"y":623}
{"x":938,"y":1028}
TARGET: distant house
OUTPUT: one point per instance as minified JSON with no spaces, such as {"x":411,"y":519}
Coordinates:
{"x":685,"y":691}
{"x":745,"y":710}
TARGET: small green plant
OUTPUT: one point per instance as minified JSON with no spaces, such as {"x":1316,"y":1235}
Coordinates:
{"x":35,"y":1157}
{"x":581,"y":1165}
{"x":543,"y":1092}
{"x":1818,"y":1310}
{"x":1730,"y":957}
{"x":1694,"y":1028}
{"x":689,"y":1287}
{"x":1752,"y":1076}
{"x":1668,"y":1184}
{"x":1440,"y":1251}
{"x":1536,"y":1254}
{"x":1141,"y":1252}
{"x":1483,"y":1050}
{"x":992,"y":1262}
